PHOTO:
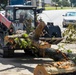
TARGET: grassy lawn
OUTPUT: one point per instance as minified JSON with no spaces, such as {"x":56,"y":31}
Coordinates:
{"x":59,"y":8}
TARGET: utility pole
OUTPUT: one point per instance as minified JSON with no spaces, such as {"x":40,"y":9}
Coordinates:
{"x":7,"y":2}
{"x":40,"y":3}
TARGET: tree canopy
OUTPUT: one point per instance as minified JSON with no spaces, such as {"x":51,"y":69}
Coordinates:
{"x":73,"y":2}
{"x":59,"y":2}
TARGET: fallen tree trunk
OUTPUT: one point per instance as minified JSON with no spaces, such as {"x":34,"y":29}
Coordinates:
{"x":56,"y":54}
{"x":23,"y":40}
{"x":56,"y":68}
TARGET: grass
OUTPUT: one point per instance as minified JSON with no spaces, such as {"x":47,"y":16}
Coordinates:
{"x":59,"y":8}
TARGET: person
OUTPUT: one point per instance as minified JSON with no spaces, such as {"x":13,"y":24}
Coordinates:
{"x":21,"y":18}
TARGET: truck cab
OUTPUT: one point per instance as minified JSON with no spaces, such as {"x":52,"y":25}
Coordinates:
{"x":19,"y":14}
{"x":17,"y":17}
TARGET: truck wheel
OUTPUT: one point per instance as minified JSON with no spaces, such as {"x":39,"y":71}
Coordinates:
{"x":5,"y":53}
{"x":8,"y":52}
{"x":27,"y":51}
{"x":3,"y":50}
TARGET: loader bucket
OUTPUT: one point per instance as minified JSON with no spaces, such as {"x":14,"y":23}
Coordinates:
{"x":56,"y":68}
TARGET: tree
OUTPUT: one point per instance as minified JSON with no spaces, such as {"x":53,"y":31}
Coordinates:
{"x":62,"y":2}
{"x":65,"y":3}
{"x":56,"y":1}
{"x":73,"y":2}
{"x":3,"y":3}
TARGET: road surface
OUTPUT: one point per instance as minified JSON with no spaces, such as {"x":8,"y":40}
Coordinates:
{"x":55,"y":16}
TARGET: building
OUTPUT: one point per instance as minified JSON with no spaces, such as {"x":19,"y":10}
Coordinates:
{"x":47,"y":1}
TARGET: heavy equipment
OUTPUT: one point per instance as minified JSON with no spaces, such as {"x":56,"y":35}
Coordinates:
{"x":13,"y":21}
{"x":20,"y":30}
{"x":23,"y":18}
{"x":38,"y":3}
{"x":20,"y":17}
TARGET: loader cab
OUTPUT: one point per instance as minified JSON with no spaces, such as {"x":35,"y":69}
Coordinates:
{"x":20,"y":14}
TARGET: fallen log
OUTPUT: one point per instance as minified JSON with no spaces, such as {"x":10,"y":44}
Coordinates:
{"x":42,"y":45}
{"x":56,"y":68}
{"x":56,"y":55}
{"x":51,"y":40}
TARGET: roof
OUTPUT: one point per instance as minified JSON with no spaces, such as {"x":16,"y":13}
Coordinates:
{"x":21,"y":6}
{"x":47,"y":1}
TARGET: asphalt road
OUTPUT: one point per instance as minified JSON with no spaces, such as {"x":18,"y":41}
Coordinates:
{"x":22,"y":64}
{"x":55,"y":16}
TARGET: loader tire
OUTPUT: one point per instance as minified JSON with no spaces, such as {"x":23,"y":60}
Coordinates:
{"x":10,"y":51}
{"x":5,"y":52}
{"x":28,"y":51}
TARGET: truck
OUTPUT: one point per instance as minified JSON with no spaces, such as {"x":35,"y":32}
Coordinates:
{"x":16,"y":2}
{"x":37,"y":3}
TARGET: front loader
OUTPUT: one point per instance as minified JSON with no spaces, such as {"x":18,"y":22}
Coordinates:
{"x":20,"y":20}
{"x":16,"y":19}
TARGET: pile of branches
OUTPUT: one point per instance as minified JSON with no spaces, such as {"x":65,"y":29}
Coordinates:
{"x":18,"y":41}
{"x":70,"y":34}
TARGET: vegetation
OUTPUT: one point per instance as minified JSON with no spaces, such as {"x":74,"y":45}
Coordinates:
{"x":70,"y":34}
{"x":58,"y":8}
{"x":65,"y":2}
{"x":73,"y":2}
{"x":58,"y":4}
{"x":23,"y":42}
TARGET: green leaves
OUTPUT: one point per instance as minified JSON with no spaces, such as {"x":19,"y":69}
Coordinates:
{"x":25,"y":35}
{"x":69,"y":51}
{"x":23,"y":41}
{"x":70,"y":34}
